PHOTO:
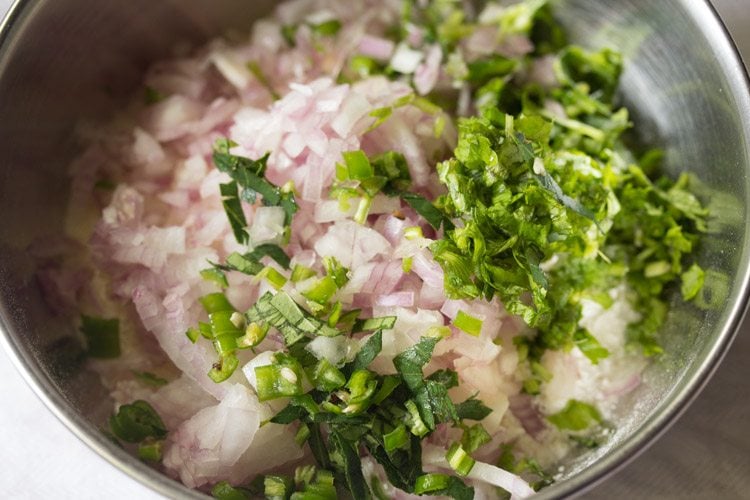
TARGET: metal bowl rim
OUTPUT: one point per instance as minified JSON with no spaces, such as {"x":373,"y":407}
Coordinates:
{"x":679,"y":400}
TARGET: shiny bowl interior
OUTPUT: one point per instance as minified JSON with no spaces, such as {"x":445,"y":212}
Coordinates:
{"x":64,"y":60}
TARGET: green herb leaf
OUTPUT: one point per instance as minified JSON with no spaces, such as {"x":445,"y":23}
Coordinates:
{"x":269,"y":250}
{"x":427,"y":210}
{"x":443,"y":485}
{"x":446,"y":378}
{"x":431,"y":397}
{"x":692,"y":282}
{"x":102,"y":336}
{"x":136,"y":422}
{"x":372,"y":324}
{"x":469,"y":324}
{"x":590,"y":347}
{"x":230,"y":199}
{"x":576,"y":416}
{"x":472,"y":409}
{"x":248,"y":174}
{"x":216,"y":275}
{"x":225,"y":491}
{"x":351,"y":465}
{"x":150,"y":379}
{"x":369,"y":351}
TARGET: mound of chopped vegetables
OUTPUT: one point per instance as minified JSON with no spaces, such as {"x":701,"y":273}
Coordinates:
{"x":378,"y":249}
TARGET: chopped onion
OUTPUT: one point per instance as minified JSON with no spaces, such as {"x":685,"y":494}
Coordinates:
{"x":376,"y":47}
{"x":406,"y":60}
{"x":336,"y":350}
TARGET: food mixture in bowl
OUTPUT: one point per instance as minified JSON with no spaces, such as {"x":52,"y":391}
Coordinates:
{"x":375,"y":249}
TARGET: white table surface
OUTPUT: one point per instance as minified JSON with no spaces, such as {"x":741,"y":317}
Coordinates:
{"x":705,"y":455}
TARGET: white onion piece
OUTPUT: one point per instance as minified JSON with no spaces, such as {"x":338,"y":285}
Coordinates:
{"x":166,"y":119}
{"x":351,"y":243}
{"x":267,"y":35}
{"x":320,"y":17}
{"x":354,"y":108}
{"x":427,"y":269}
{"x":331,"y":210}
{"x":227,"y":442}
{"x":406,"y":60}
{"x":426,"y":76}
{"x":233,"y":69}
{"x":262,"y":359}
{"x":398,"y":299}
{"x":496,"y":476}
{"x":337,"y":350}
{"x":148,"y":152}
{"x":376,"y":47}
{"x":515,"y":485}
{"x":268,"y":225}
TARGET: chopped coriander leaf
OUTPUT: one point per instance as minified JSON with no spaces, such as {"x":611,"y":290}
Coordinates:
{"x":483,"y":70}
{"x":600,"y":70}
{"x":372,"y":324}
{"x":102,"y":336}
{"x":692,"y":282}
{"x":150,"y":379}
{"x":576,"y":416}
{"x":369,"y":351}
{"x":472,"y":409}
{"x":269,"y":250}
{"x":248,"y":174}
{"x":474,"y":437}
{"x":241,"y":263}
{"x":447,"y":378}
{"x":281,"y":312}
{"x":427,"y":210}
{"x":589,"y":346}
{"x":452,"y":487}
{"x":230,"y":199}
{"x":430,"y":397}
{"x":351,"y":465}
{"x":527,"y":191}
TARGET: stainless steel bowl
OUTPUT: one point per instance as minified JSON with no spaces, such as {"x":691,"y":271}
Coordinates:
{"x":61,"y":61}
